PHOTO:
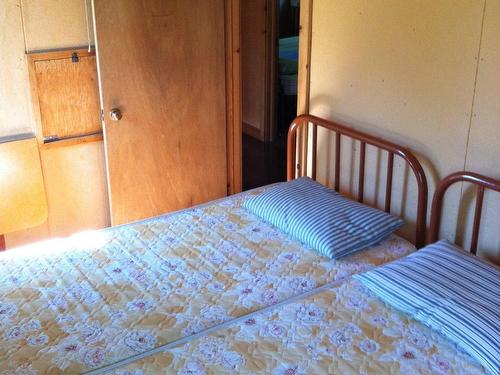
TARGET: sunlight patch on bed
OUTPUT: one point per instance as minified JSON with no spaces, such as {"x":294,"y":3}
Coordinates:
{"x":89,"y":239}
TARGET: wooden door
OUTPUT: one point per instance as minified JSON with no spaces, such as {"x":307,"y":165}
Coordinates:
{"x":162,"y":64}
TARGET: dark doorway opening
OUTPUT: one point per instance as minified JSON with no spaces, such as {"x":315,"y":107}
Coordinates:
{"x":269,"y":52}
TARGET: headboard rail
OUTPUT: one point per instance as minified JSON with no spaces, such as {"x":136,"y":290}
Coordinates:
{"x":482,"y":182}
{"x":364,"y":139}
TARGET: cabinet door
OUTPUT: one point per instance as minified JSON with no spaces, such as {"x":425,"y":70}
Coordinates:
{"x":162,"y":71}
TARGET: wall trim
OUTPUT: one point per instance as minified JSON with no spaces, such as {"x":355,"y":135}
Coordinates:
{"x":304,"y":78}
{"x":233,"y":96}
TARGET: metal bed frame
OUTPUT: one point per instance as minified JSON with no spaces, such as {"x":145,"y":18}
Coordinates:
{"x":304,"y":121}
{"x":482,"y":182}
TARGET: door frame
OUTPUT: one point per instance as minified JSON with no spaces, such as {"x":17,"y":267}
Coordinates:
{"x":271,"y":59}
{"x":303,"y":81}
{"x":233,"y":95}
{"x":233,"y":69}
{"x":233,"y":87}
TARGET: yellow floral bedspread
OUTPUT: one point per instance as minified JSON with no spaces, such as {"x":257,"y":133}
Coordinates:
{"x":342,"y":330}
{"x":83,"y":302}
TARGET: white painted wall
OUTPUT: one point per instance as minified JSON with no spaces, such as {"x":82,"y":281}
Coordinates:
{"x":48,"y":24}
{"x":53,"y":24}
{"x":16,"y":115}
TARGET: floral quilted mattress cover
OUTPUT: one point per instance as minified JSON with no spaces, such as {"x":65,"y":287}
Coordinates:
{"x":341,"y":329}
{"x":76,"y":304}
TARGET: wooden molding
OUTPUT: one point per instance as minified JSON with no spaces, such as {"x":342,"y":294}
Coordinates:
{"x":233,"y":95}
{"x":59,"y":54}
{"x":304,"y":76}
{"x":72,"y":141}
{"x":2,"y":242}
{"x":270,"y":92}
{"x":253,"y":132}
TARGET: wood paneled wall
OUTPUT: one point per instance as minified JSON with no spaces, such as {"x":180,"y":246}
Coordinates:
{"x":74,"y":176}
{"x":420,"y":73}
{"x":65,"y":93}
{"x":483,"y":148}
{"x":22,"y":203}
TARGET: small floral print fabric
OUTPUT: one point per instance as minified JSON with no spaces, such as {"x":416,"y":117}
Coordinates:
{"x":68,"y":306}
{"x":342,"y":330}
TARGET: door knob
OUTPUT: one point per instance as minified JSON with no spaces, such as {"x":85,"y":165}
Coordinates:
{"x":115,"y":114}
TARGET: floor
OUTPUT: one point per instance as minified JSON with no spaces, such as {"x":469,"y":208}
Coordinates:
{"x":263,"y":163}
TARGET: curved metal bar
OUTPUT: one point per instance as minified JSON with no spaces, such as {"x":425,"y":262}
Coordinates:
{"x":437,"y":201}
{"x":390,"y":147}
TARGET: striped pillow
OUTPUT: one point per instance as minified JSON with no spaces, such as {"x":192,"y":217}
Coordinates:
{"x":322,"y":218}
{"x":450,"y":291}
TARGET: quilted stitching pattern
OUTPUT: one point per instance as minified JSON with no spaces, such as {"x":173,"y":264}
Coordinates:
{"x":343,"y":330}
{"x":75,"y":304}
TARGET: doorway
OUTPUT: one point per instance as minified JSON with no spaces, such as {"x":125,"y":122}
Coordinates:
{"x":269,"y":69}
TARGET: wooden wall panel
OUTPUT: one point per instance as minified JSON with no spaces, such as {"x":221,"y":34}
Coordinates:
{"x":27,"y":236}
{"x":65,"y":93}
{"x":402,"y":70}
{"x":483,"y":152}
{"x":23,"y":203}
{"x":50,"y":24}
{"x":75,"y":182}
{"x":75,"y":202}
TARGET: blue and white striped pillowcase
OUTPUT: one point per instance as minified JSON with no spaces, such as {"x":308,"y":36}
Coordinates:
{"x":322,"y":218}
{"x":450,"y":291}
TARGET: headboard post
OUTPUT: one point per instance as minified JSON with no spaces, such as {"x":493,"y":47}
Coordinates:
{"x":364,"y":139}
{"x":481,"y":181}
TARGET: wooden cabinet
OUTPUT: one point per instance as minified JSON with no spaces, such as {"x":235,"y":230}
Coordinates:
{"x":65,"y":94}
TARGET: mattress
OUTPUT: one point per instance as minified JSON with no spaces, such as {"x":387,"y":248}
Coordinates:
{"x":335,"y":330}
{"x":80,"y":303}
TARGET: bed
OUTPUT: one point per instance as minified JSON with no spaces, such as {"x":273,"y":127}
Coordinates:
{"x":335,"y":329}
{"x":288,"y":57}
{"x":91,"y":300}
